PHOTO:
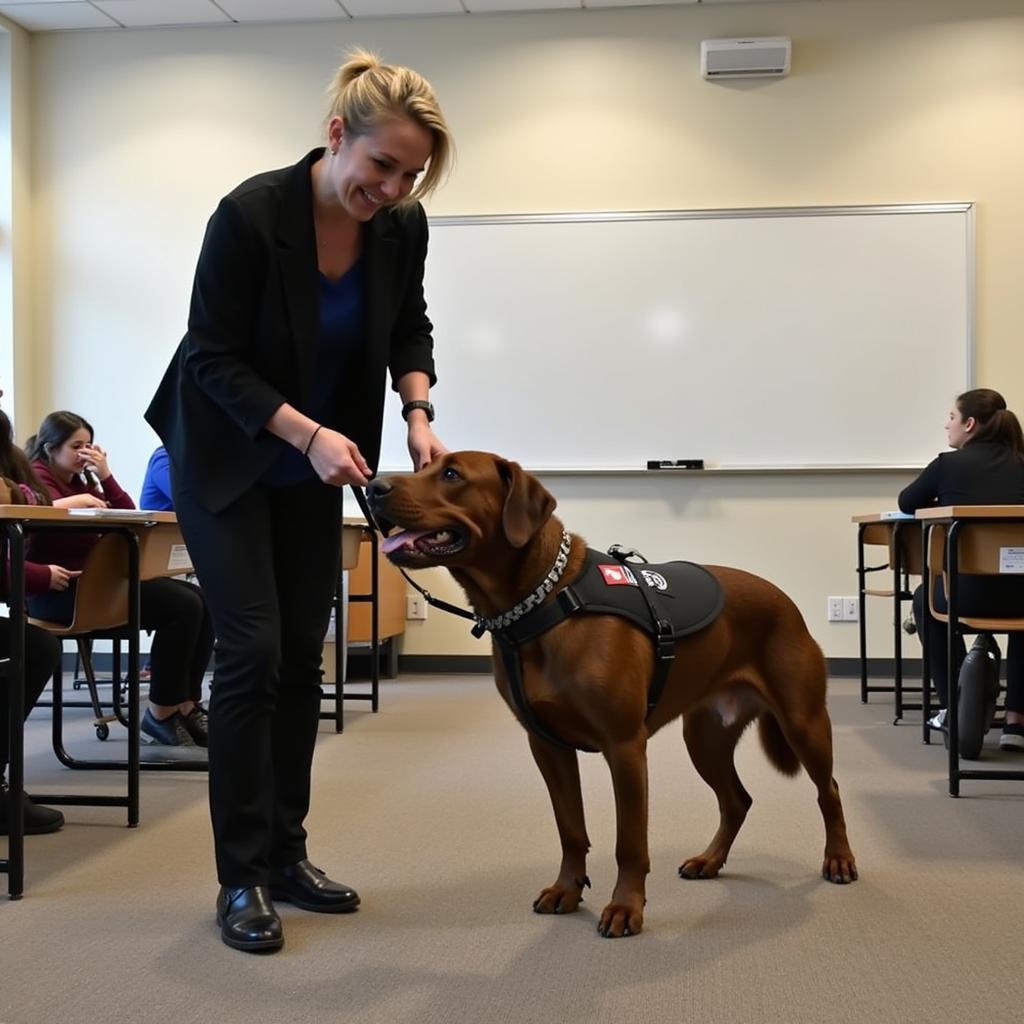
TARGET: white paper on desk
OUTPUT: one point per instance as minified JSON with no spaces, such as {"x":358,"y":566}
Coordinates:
{"x":897,"y":515}
{"x":1011,"y":559}
{"x":112,"y":513}
{"x":178,"y":560}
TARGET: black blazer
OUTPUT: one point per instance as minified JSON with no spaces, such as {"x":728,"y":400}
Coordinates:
{"x":253,"y":332}
{"x":980,"y":473}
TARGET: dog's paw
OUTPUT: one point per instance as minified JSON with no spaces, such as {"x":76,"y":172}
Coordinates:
{"x":701,"y":867}
{"x":619,"y":920}
{"x":839,"y":868}
{"x":556,"y":899}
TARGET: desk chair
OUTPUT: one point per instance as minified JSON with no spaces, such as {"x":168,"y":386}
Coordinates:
{"x":903,"y":543}
{"x":101,"y":609}
{"x":968,"y":547}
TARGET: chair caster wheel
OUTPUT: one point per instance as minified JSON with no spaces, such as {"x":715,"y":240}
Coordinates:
{"x":102,"y":731}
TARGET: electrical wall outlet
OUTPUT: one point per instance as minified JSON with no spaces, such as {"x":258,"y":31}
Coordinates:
{"x":843,"y":609}
{"x":415,"y":607}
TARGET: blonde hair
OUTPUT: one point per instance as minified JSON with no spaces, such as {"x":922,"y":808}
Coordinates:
{"x":365,"y":93}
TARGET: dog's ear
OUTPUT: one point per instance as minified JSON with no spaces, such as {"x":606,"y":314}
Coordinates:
{"x":528,"y":505}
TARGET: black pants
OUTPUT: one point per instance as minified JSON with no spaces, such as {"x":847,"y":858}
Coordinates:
{"x":268,"y":566}
{"x":1003,"y":596}
{"x":176,"y":613}
{"x":42,"y":652}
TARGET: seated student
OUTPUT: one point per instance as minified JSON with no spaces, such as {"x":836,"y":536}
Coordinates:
{"x":986,"y":468}
{"x":76,"y":473}
{"x":156,"y":484}
{"x":42,"y":650}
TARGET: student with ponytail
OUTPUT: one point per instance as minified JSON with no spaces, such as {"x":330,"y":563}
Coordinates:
{"x":986,"y":467}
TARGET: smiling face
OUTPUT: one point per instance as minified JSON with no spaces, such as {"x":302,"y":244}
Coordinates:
{"x":367,"y":172}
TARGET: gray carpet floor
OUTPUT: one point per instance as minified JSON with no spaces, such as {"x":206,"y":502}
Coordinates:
{"x":434,"y":811}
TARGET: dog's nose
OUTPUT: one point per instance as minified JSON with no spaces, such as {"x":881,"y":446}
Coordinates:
{"x":377,"y":488}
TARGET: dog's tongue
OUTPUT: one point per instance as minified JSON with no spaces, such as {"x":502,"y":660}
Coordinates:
{"x":404,"y":538}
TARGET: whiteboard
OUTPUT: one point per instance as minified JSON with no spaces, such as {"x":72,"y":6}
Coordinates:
{"x":797,"y":337}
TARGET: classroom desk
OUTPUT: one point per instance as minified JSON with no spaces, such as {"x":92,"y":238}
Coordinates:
{"x":901,"y":538}
{"x":15,"y":521}
{"x":957,"y":519}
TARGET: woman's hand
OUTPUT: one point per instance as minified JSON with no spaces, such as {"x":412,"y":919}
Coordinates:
{"x":337,"y":459}
{"x":81,"y":501}
{"x":60,"y":578}
{"x":424,"y":445}
{"x":91,"y":456}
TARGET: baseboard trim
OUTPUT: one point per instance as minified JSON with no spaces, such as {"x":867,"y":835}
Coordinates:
{"x":483,"y":664}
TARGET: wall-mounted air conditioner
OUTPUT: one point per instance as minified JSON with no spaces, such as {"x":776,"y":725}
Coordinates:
{"x":767,"y":57}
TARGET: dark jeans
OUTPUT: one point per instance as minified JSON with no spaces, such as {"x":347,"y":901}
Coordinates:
{"x":1002,"y":596}
{"x":268,"y":565}
{"x":176,"y":613}
{"x":42,"y":652}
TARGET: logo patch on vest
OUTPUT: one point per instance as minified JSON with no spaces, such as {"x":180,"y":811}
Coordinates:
{"x":617,"y":575}
{"x":654,"y":579}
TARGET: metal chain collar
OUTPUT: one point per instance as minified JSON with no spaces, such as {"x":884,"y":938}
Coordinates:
{"x":532,"y":600}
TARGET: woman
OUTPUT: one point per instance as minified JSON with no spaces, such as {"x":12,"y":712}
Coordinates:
{"x":76,"y":474}
{"x":985,"y":468}
{"x":42,"y":649}
{"x":309,"y":288}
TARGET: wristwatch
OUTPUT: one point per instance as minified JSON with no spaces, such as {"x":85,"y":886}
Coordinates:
{"x":418,"y":403}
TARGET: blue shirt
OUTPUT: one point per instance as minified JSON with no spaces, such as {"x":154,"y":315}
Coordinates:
{"x":342,"y":329}
{"x":156,"y":485}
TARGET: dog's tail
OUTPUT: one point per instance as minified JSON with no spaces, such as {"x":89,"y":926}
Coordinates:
{"x":775,"y":745}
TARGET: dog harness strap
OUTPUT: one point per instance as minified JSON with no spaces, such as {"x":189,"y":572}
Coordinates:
{"x":664,"y":641}
{"x":513,"y":669}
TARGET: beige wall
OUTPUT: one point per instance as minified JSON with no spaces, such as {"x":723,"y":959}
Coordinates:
{"x":138,"y":133}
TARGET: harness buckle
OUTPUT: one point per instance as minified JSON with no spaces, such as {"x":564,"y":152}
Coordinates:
{"x":664,"y":642}
{"x":569,"y":601}
{"x":479,"y":629}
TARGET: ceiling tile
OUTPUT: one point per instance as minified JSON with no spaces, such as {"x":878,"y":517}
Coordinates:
{"x":637,"y":3}
{"x":390,"y":8}
{"x":282,"y":10}
{"x":489,"y":6}
{"x":68,"y":14}
{"x":141,"y":13}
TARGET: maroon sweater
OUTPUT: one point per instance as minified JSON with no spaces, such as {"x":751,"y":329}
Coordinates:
{"x":69,"y":550}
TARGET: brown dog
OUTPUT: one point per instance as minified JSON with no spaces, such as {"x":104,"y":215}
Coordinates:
{"x":586,"y":679}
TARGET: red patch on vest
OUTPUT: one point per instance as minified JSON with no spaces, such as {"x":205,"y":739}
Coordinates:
{"x":617,"y":575}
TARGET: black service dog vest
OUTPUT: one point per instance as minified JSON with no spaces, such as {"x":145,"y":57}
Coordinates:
{"x":667,"y":601}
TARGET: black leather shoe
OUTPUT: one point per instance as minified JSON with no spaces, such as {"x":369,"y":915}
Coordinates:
{"x":248,"y":920}
{"x":310,"y":889}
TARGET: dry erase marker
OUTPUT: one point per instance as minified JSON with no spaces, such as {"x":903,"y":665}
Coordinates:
{"x":675,"y":463}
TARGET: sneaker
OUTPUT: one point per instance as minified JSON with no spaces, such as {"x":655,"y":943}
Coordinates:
{"x":938,"y":720}
{"x":1013,"y":737}
{"x":39,"y":820}
{"x":197,"y":726}
{"x":169,"y":732}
